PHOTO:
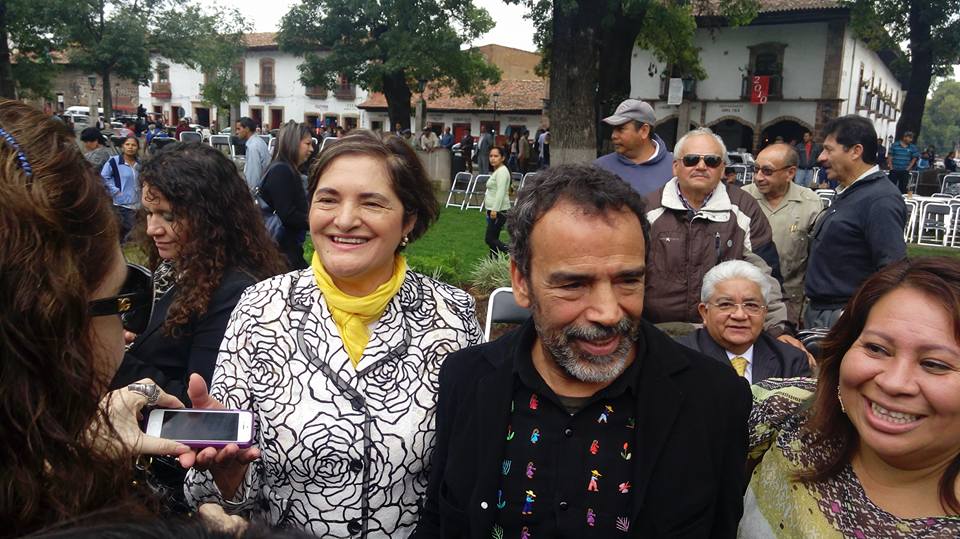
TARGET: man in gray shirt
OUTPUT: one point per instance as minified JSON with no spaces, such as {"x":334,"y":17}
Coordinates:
{"x":257,"y":155}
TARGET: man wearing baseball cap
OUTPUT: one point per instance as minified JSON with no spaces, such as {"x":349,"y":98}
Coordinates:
{"x":640,"y":157}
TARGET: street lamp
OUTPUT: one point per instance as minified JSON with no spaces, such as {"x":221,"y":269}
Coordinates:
{"x":496,"y":96}
{"x":421,"y":105}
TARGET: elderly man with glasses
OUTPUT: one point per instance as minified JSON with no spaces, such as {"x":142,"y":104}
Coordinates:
{"x":697,"y":222}
{"x":733,"y":301}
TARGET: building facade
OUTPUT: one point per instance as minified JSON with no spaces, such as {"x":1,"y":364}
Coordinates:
{"x":274,"y":91}
{"x":813,"y":66}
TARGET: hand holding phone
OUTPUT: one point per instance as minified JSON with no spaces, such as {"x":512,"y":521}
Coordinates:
{"x":202,"y":428}
{"x":228,"y":464}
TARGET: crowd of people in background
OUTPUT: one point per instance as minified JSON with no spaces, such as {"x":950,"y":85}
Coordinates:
{"x":659,"y":388}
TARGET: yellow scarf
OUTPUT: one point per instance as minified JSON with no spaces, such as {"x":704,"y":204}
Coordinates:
{"x":353,"y":314}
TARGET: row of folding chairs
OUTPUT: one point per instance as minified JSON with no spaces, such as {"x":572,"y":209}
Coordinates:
{"x":467,"y":191}
{"x":933,"y":221}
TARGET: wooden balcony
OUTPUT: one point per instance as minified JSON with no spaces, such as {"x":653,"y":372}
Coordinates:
{"x":160,"y":90}
{"x":266,"y":89}
{"x":347,"y":92}
{"x":689,"y":89}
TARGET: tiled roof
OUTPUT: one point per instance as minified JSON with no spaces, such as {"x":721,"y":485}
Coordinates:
{"x":515,"y":95}
{"x":259,"y":40}
{"x":776,"y":6}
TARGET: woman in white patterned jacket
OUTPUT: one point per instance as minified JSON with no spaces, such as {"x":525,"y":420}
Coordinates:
{"x":339,"y":362}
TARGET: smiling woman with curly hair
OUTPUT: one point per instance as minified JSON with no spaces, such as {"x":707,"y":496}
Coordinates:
{"x":206,"y":243}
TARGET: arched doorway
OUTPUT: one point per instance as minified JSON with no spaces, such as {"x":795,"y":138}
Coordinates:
{"x":789,"y":131}
{"x":734,"y":134}
{"x":667,"y":130}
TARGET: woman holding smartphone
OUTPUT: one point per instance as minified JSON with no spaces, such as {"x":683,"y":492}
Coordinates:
{"x":206,"y":243}
{"x":339,"y":362}
{"x":67,"y":295}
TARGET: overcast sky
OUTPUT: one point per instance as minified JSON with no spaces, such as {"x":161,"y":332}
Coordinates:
{"x":511,"y":30}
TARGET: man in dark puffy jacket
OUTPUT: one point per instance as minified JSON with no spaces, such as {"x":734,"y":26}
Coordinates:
{"x":697,"y":222}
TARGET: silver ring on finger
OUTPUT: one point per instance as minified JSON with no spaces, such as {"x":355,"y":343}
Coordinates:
{"x":150,"y":391}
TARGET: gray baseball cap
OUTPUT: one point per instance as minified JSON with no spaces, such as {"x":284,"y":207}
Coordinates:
{"x":632,"y":110}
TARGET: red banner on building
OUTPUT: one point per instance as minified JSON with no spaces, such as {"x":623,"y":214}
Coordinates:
{"x":759,"y":88}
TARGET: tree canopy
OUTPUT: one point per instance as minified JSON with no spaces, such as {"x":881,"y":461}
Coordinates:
{"x":941,"y":117}
{"x":931,"y":30}
{"x":389,"y":45}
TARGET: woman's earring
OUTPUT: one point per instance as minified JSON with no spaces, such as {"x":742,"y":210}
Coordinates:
{"x":404,"y":241}
{"x":840,"y":398}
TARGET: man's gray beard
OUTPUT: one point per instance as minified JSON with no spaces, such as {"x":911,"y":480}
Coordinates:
{"x":585,"y":367}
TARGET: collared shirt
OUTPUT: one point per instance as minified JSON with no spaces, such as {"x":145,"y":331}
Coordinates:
{"x":900,"y":156}
{"x":869,"y":171}
{"x":748,"y":355}
{"x":567,"y":475}
{"x":791,"y":221}
{"x":256,"y":161}
{"x":123,"y":190}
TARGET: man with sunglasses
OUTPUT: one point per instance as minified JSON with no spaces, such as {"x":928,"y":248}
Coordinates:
{"x":791,"y":210}
{"x":697,"y":222}
{"x":640,"y":157}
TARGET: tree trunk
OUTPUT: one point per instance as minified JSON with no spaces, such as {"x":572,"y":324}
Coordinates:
{"x":616,"y":49}
{"x":107,"y":98}
{"x":8,"y":87}
{"x":921,"y":68}
{"x":573,"y":81}
{"x":398,"y":94}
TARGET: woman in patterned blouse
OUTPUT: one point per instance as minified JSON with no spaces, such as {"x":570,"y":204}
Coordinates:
{"x":340,"y":362}
{"x":874,"y":449}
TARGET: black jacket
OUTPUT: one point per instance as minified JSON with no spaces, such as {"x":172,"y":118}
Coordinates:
{"x":283,"y":189}
{"x":690,"y":460}
{"x":170,"y":359}
{"x":771,"y":358}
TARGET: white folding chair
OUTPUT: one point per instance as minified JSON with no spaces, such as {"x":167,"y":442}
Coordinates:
{"x":516,"y":180}
{"x":950,"y":184}
{"x":913,"y":212}
{"x":502,"y":308}
{"x":478,"y":191}
{"x":222,"y":143}
{"x":459,"y":189}
{"x":190,"y":136}
{"x":526,"y":177}
{"x":741,"y":173}
{"x":934,"y":224}
{"x":913,"y":181}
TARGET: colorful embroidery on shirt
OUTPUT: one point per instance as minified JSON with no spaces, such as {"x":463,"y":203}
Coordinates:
{"x":501,"y":503}
{"x":496,"y":532}
{"x":594,"y":447}
{"x":631,"y":423}
{"x":592,"y":485}
{"x":531,"y":469}
{"x":528,"y":503}
{"x":623,"y":524}
{"x":534,"y":402}
{"x":525,"y":533}
{"x":603,"y":415}
{"x":626,"y":454}
{"x":535,"y":436}
{"x":591,"y":518}
{"x":506,"y":466}
{"x":624,"y":487}
{"x":509,"y":433}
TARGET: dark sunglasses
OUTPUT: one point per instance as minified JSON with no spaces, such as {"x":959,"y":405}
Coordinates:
{"x":134,"y":304}
{"x":692,"y":159}
{"x":769,"y":171}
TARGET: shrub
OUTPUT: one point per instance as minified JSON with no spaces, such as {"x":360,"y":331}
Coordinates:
{"x":490,"y":273}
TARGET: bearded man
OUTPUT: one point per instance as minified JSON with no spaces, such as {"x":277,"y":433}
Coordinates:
{"x":587,"y":421}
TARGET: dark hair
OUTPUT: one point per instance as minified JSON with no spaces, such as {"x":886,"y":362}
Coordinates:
{"x":907,"y":134}
{"x":851,"y":130}
{"x":593,"y":189}
{"x":59,"y":238}
{"x":90,"y":134}
{"x":936,"y":277}
{"x":225,"y":229}
{"x":288,"y":143}
{"x":499,"y":150}
{"x":248,"y":123}
{"x":407,"y":175}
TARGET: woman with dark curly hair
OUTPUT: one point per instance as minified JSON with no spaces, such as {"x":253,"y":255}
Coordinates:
{"x":207,"y":243}
{"x":340,"y":362}
{"x":66,"y":445}
{"x":873,"y":449}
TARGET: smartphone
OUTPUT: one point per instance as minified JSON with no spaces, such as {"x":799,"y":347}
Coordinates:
{"x":202,"y":428}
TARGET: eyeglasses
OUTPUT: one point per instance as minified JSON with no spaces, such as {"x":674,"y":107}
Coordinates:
{"x":752,"y":308}
{"x":693,"y":159}
{"x":134,"y":304}
{"x":767,"y":171}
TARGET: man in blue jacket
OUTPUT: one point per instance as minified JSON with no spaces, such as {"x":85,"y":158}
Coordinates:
{"x":640,"y":157}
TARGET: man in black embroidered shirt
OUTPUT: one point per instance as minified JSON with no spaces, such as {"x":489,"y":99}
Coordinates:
{"x":587,"y":421}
